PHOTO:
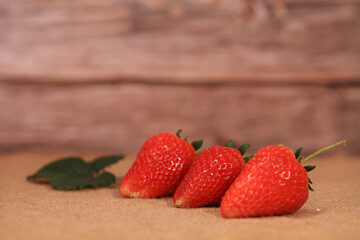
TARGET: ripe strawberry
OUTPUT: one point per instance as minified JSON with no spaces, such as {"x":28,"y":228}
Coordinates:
{"x":159,"y":167}
{"x":273,"y":182}
{"x":209,"y":176}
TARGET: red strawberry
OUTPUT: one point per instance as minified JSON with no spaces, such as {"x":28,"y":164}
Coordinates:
{"x":159,"y":167}
{"x":208,"y":178}
{"x":273,"y":182}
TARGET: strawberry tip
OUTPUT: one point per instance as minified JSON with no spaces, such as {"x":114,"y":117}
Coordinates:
{"x":179,"y":203}
{"x":134,"y":194}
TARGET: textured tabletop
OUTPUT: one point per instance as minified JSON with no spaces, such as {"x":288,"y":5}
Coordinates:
{"x":35,"y":211}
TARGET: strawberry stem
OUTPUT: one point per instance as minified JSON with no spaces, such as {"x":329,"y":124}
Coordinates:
{"x":322,"y":150}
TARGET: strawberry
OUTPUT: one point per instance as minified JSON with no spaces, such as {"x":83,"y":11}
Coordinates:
{"x":159,"y":167}
{"x":273,"y":182}
{"x":210,"y":175}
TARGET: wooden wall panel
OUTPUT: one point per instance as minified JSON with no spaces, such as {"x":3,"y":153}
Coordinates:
{"x":349,"y":119}
{"x":119,"y":117}
{"x":180,"y":41}
{"x":106,"y":74}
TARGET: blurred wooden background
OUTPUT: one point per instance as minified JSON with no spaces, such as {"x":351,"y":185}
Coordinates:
{"x":103,"y":75}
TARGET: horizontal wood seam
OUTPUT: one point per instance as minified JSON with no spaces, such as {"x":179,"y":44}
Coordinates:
{"x":173,"y":82}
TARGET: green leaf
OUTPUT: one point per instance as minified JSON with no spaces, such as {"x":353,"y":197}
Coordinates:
{"x":310,"y":181}
{"x":310,"y":188}
{"x":61,"y":166}
{"x":104,"y":161}
{"x":228,"y":144}
{"x":65,"y":182}
{"x":197,"y":144}
{"x":247,"y":158}
{"x":243,"y":148}
{"x":178,"y":133}
{"x":74,"y":173}
{"x":309,"y":168}
{"x":297,"y":153}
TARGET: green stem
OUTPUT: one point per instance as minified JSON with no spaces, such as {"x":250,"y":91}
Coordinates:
{"x":322,"y":150}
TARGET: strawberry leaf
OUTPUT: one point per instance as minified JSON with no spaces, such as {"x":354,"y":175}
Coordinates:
{"x":104,"y":161}
{"x":72,"y":182}
{"x":61,"y":166}
{"x":73,"y":173}
{"x":243,"y":148}
{"x":197,"y":144}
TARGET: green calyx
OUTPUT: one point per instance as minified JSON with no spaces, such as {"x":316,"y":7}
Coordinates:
{"x":178,"y":133}
{"x":196,"y":144}
{"x":310,"y":168}
{"x":242,"y":149}
{"x":229,"y":144}
{"x":297,"y":153}
{"x":247,"y":158}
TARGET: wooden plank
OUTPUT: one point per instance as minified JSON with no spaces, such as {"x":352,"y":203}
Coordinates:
{"x":350,"y":108}
{"x":184,"y":42}
{"x":119,"y":117}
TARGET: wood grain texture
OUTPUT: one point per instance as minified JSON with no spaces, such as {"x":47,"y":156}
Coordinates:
{"x":105,"y":75}
{"x":187,"y":41}
{"x":120,"y":117}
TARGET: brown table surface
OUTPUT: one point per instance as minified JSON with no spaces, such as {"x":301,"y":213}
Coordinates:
{"x":36,"y":211}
